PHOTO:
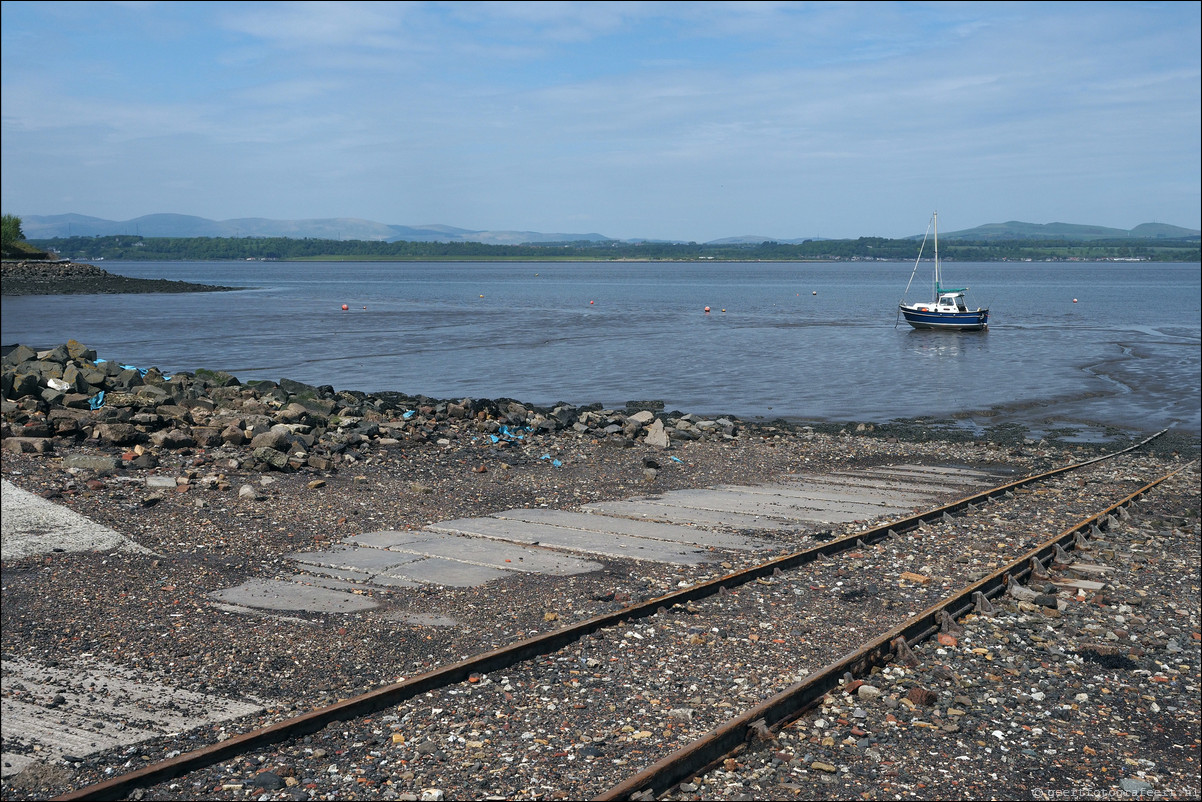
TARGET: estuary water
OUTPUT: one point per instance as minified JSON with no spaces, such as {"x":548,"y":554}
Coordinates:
{"x":1110,"y":344}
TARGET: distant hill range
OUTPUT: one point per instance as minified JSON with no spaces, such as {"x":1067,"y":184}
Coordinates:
{"x":335,"y":228}
{"x":1068,"y":231}
{"x":36,"y":227}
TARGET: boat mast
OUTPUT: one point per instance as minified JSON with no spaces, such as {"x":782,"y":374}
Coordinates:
{"x":935,"y":219}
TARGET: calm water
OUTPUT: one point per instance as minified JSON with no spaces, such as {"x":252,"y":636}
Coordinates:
{"x":1111,"y":343}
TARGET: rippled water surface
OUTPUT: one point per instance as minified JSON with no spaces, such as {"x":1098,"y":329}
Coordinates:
{"x":1112,"y":343}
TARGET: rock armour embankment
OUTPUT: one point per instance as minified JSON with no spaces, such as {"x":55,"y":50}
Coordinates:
{"x":73,"y":278}
{"x":67,"y":396}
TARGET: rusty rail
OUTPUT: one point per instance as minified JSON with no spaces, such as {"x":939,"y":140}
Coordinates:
{"x":712,"y":748}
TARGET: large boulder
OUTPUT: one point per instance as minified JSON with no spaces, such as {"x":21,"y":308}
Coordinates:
{"x":657,"y":436}
{"x":118,"y":434}
{"x":80,"y":352}
{"x":278,"y":438}
{"x":22,"y":353}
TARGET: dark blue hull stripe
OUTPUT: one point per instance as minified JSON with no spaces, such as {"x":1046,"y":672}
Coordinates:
{"x":946,"y":320}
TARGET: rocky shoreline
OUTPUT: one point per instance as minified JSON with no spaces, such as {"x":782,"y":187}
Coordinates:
{"x":73,"y":278}
{"x":67,"y":394}
{"x":220,"y":480}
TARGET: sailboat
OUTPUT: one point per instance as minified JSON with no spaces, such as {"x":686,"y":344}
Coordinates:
{"x":948,"y":311}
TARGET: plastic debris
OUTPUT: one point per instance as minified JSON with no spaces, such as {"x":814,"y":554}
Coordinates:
{"x":141,"y":371}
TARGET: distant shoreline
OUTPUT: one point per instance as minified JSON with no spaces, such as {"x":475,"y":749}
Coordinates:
{"x":75,"y":278}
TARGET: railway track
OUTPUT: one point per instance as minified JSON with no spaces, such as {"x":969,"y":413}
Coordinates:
{"x":708,"y":666}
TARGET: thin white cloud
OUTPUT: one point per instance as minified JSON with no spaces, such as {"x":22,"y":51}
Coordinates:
{"x":706,"y":119}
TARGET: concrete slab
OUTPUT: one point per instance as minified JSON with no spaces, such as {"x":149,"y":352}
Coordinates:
{"x":329,"y":583}
{"x":777,"y":507}
{"x":682,"y":527}
{"x":348,"y":574}
{"x":651,"y":510}
{"x":945,"y":478}
{"x":653,"y":530}
{"x":384,"y":580}
{"x":969,"y":475}
{"x":866,"y":493}
{"x":99,"y":707}
{"x":32,"y":525}
{"x":889,"y":501}
{"x":256,"y":613}
{"x":866,"y":483}
{"x":276,"y":594}
{"x":354,"y":558}
{"x":477,"y":551}
{"x":602,"y":543}
{"x":26,"y":726}
{"x":390,"y":538}
{"x":437,"y":571}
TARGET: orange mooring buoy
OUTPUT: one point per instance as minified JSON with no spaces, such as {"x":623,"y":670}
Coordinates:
{"x":344,"y":307}
{"x":707,"y":310}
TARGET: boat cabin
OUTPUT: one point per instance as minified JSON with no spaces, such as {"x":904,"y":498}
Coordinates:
{"x":948,"y":302}
{"x":951,"y":302}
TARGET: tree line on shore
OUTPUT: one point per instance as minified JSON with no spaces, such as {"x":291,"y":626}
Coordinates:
{"x":138,"y":248}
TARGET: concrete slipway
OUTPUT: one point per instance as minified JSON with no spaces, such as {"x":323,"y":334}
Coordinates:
{"x":56,"y":712}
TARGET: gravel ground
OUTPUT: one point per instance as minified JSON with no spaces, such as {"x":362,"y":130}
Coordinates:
{"x":494,"y":736}
{"x":1096,"y":699}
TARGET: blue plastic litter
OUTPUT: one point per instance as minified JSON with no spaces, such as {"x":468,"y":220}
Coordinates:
{"x":141,"y":371}
{"x":409,"y":414}
{"x":96,"y":401}
{"x":676,"y":459}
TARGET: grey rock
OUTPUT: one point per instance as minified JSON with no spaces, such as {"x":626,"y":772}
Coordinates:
{"x":28,"y":445}
{"x":277,"y":460}
{"x":118,"y":434}
{"x":102,"y":466}
{"x":657,"y":437}
{"x":233,"y":435}
{"x":278,"y":438}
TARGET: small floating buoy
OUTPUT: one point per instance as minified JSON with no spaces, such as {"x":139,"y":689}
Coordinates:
{"x":1074,"y":300}
{"x":365,"y":307}
{"x":590,"y":303}
{"x":723,"y":310}
{"x":707,"y":310}
{"x":481,"y":296}
{"x":815,"y":292}
{"x":344,"y":307}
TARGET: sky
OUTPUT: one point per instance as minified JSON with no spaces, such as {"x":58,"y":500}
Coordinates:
{"x":680,"y":121}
